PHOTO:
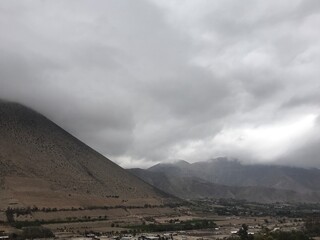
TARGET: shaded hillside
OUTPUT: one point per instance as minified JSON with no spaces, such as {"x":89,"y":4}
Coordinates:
{"x":233,"y":173}
{"x":230,"y":179}
{"x":236,"y":174}
{"x":41,"y":164}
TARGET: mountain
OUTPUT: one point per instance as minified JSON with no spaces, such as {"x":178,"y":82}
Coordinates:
{"x":222,"y":178}
{"x":233,"y":173}
{"x":43,"y":165}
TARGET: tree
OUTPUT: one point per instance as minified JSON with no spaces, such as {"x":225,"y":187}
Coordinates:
{"x":36,"y":232}
{"x":243,"y":233}
{"x":10,"y":215}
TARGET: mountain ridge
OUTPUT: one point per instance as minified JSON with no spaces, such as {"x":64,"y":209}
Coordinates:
{"x":222,"y":178}
{"x":234,"y":173}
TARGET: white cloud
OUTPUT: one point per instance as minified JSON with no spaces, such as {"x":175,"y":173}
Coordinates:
{"x":264,"y":143}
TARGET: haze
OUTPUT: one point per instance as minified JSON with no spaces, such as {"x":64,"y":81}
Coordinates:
{"x":145,"y":82}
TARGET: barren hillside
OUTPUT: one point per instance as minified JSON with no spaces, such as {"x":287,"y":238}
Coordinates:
{"x":43,"y":165}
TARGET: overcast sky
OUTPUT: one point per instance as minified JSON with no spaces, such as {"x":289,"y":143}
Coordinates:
{"x":152,"y":81}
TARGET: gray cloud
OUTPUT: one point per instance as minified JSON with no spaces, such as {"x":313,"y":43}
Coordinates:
{"x":149,"y":81}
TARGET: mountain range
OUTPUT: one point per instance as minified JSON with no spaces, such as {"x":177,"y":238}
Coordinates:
{"x":224,"y":178}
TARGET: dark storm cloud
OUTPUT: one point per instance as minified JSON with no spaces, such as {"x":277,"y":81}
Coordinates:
{"x":147,"y":81}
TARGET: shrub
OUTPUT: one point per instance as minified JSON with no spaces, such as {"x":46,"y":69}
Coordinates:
{"x":36,"y":232}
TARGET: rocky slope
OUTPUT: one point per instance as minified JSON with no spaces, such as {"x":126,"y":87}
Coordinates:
{"x":41,"y":164}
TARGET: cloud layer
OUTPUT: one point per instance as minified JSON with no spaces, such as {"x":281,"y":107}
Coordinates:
{"x":149,"y":81}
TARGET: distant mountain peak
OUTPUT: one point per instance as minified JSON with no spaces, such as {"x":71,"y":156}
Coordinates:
{"x":181,"y":162}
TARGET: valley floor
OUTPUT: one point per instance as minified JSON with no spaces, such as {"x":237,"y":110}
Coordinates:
{"x":200,"y":219}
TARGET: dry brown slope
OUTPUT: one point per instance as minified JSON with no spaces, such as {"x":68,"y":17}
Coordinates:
{"x":43,"y":165}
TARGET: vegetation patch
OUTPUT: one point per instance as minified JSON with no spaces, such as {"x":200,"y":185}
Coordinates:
{"x":180,"y":226}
